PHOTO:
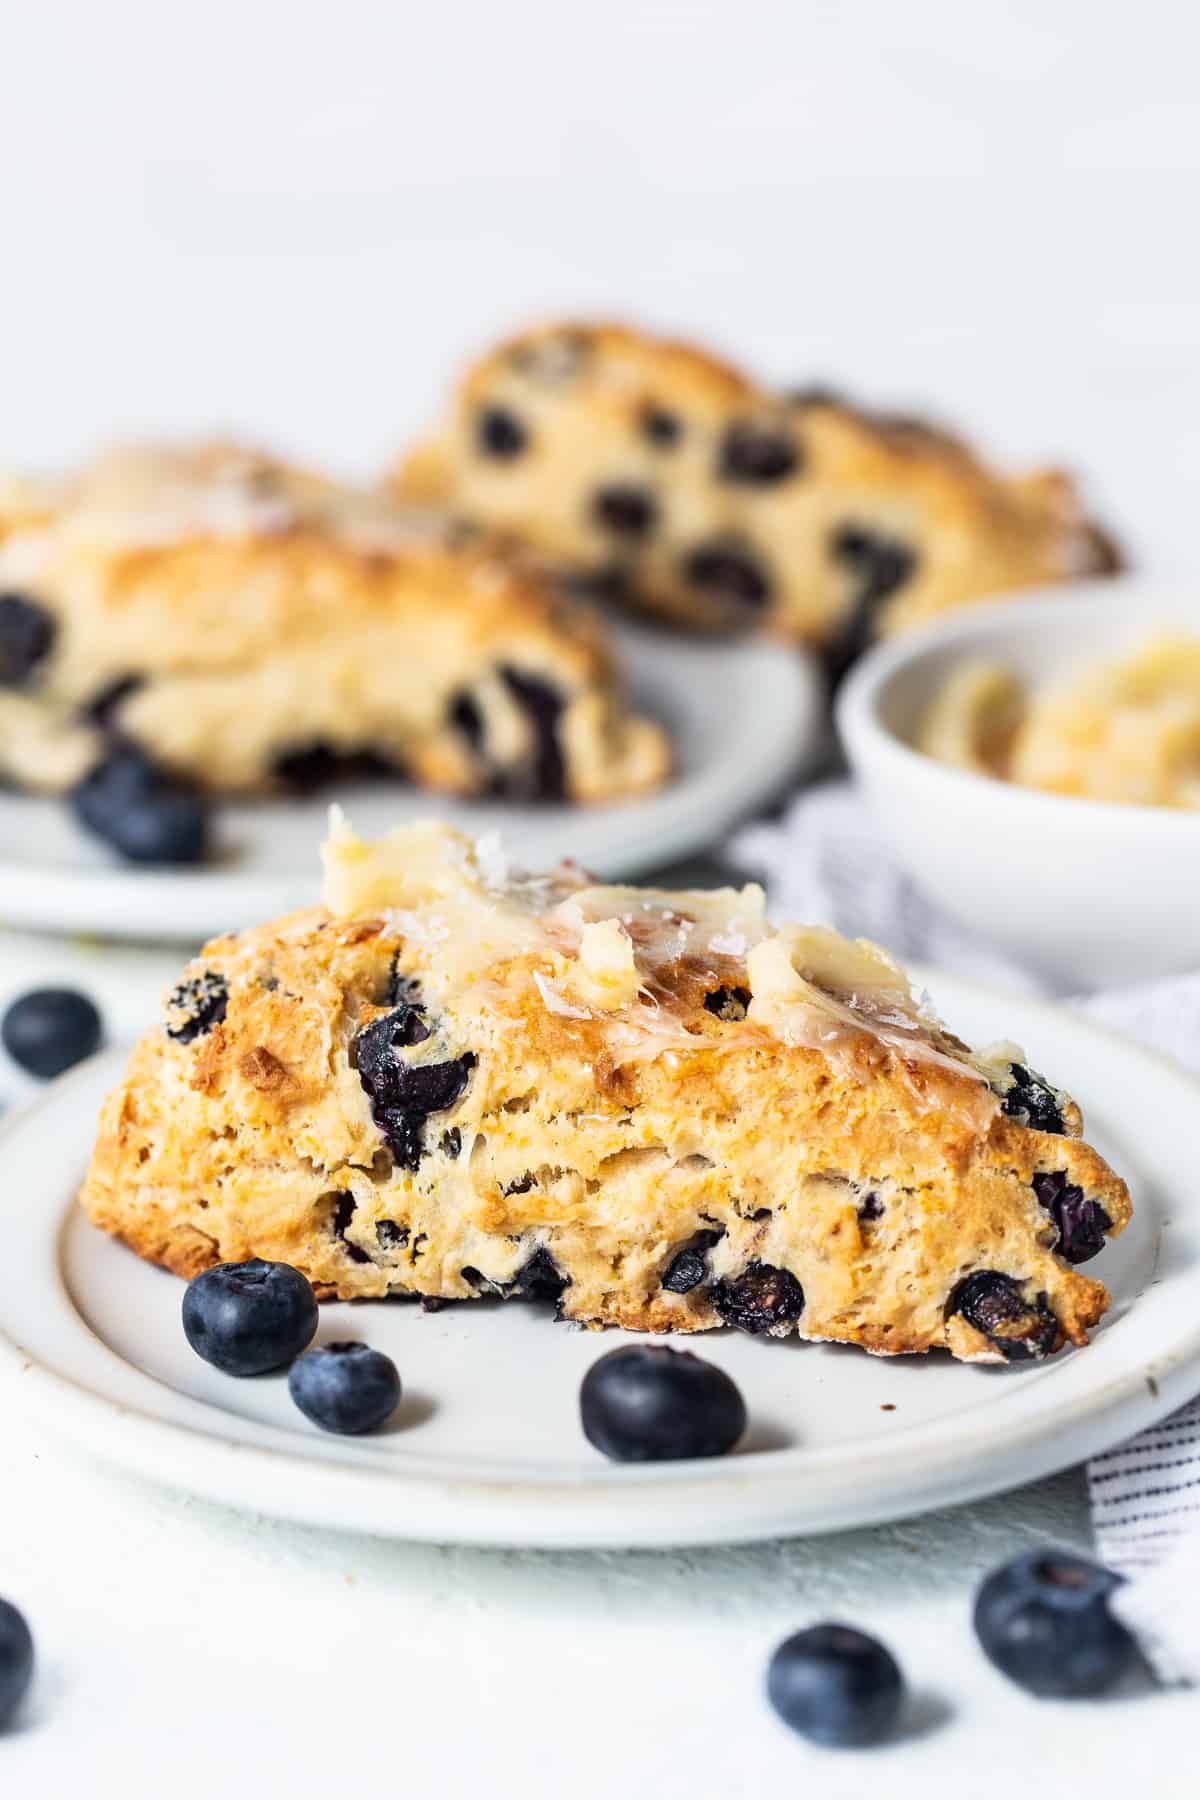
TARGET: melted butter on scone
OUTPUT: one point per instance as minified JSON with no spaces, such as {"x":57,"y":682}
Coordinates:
{"x":641,"y":961}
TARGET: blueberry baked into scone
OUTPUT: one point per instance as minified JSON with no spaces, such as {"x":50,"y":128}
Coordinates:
{"x":236,"y":624}
{"x":453,"y":1081}
{"x":652,"y":471}
{"x":1126,"y":730}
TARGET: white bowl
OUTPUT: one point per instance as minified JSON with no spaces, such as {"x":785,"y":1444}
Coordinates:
{"x":1091,"y":894}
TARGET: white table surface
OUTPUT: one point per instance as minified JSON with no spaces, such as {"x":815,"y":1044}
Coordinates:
{"x":189,"y":1650}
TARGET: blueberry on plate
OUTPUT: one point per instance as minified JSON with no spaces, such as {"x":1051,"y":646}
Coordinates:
{"x":138,"y":810}
{"x":646,"y":1403}
{"x":246,"y":1318}
{"x":50,"y":1029}
{"x":16,"y":1661}
{"x":836,"y":1685}
{"x":347,"y":1388}
{"x":1043,"y":1620}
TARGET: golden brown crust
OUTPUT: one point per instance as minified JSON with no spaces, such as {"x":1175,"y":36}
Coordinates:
{"x":588,"y":1143}
{"x":833,"y":522}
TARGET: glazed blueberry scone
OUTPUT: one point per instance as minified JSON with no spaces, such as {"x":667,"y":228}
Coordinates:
{"x":245,"y":626}
{"x":652,"y":471}
{"x":649,"y":1107}
{"x":1126,"y":731}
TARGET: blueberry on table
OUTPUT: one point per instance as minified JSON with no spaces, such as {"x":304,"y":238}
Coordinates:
{"x":249,"y":1317}
{"x":50,"y":1029}
{"x":836,"y":1685}
{"x":16,"y":1661}
{"x":347,"y":1388}
{"x":646,"y":1403}
{"x":138,"y":810}
{"x":1043,"y":1619}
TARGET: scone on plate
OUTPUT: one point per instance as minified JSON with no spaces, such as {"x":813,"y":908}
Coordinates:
{"x":455,"y":1080}
{"x":653,"y":471}
{"x":245,"y":626}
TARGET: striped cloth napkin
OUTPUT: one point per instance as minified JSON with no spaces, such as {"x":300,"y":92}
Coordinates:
{"x":824,"y":862}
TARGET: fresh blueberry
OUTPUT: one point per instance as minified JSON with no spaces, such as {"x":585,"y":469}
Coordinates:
{"x":756,"y":455}
{"x":1043,"y":1619}
{"x":140,"y":812}
{"x":27,"y":633}
{"x":646,"y":1403}
{"x":760,"y":1299}
{"x":1022,"y":1330}
{"x":50,"y":1029}
{"x":347,"y":1388}
{"x":625,"y":510}
{"x":728,"y":571}
{"x":16,"y":1661}
{"x":836,"y":1686}
{"x":499,"y":432}
{"x":246,"y":1318}
{"x":1081,"y":1222}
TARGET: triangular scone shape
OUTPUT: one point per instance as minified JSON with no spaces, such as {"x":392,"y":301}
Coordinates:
{"x":650,"y":1107}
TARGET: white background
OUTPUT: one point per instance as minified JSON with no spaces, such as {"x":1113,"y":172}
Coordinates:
{"x":296,"y":220}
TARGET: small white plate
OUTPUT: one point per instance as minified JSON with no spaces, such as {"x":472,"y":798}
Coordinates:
{"x":743,"y":717}
{"x":486,"y":1447}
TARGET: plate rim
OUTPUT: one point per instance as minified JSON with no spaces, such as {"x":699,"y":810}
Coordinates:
{"x":680,"y":819}
{"x":664,"y":1504}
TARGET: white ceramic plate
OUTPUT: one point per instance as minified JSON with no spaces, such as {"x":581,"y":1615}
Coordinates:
{"x":743,"y":717}
{"x":486,"y":1447}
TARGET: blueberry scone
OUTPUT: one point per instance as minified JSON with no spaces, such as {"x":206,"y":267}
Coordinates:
{"x":454,"y":1081}
{"x":651,"y":471}
{"x":1126,"y":731}
{"x":245,"y":626}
